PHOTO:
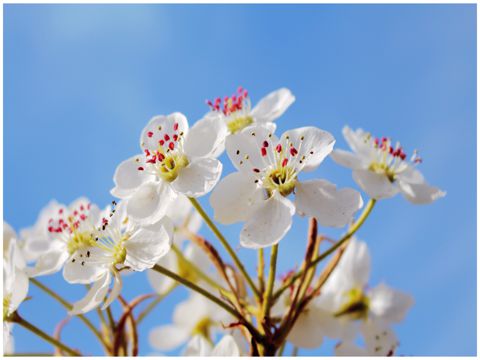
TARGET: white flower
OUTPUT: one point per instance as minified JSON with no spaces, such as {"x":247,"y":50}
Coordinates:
{"x":15,"y":283}
{"x":118,"y":243}
{"x":382,"y":170}
{"x":195,"y":316}
{"x":268,"y":170}
{"x":199,"y":346}
{"x":175,"y":161}
{"x":238,"y":114}
{"x":345,"y":299}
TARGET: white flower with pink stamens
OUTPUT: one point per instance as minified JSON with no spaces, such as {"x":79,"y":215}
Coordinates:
{"x":118,"y":243}
{"x":268,"y":170}
{"x":174,"y":161}
{"x":237,"y":111}
{"x":67,"y":229}
{"x":381,"y":169}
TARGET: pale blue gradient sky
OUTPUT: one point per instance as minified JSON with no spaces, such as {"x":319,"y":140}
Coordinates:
{"x":80,"y":82}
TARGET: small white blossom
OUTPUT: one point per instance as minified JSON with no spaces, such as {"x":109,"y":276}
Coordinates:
{"x":237,"y":111}
{"x":346,"y":306}
{"x":268,"y":170}
{"x":199,"y":346}
{"x":381,"y":169}
{"x":118,"y":243}
{"x":174,"y":161}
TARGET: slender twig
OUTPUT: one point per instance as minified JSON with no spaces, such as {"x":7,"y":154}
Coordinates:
{"x":225,"y":243}
{"x":267,"y":298}
{"x":68,"y":306}
{"x":353,"y":229}
{"x":16,"y":318}
{"x":261,"y":270}
{"x":211,"y":297}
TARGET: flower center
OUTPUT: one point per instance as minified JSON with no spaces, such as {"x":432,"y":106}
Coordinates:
{"x":6,"y":306}
{"x":383,"y":169}
{"x":282,"y":179}
{"x":357,"y":305}
{"x":80,"y":240}
{"x":235,"y":108}
{"x":169,"y":168}
{"x":202,"y":328}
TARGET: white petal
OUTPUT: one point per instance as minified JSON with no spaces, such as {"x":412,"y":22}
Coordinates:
{"x":410,"y":175}
{"x":150,"y":202}
{"x":117,"y":288}
{"x":235,"y":198}
{"x":206,"y":137}
{"x":160,"y":125}
{"x":348,"y":159}
{"x":159,"y":282}
{"x":20,"y":289}
{"x":353,"y":270}
{"x":420,"y":193}
{"x":313,"y":145}
{"x":226,"y":347}
{"x":50,"y":262}
{"x":243,"y":149}
{"x":379,"y":339}
{"x":127,"y":177}
{"x":268,"y":224}
{"x":94,"y":296}
{"x":198,"y":346}
{"x":388,"y":304}
{"x":147,"y":245}
{"x":322,"y":200}
{"x":273,"y":105}
{"x":76,"y":273}
{"x":348,"y":348}
{"x":168,"y":337}
{"x":375,"y":185}
{"x":307,"y":331}
{"x":199,"y":177}
{"x":356,"y":141}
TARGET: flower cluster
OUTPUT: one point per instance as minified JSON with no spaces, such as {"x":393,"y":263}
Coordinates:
{"x":154,"y":226}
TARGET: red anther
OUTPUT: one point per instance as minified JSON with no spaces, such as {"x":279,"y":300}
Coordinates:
{"x":218,"y":100}
{"x":60,"y":211}
{"x":104,"y":221}
{"x":83,"y":217}
{"x":166,"y":137}
{"x":171,"y":146}
{"x":418,"y":160}
{"x":150,"y":134}
{"x":403,"y":156}
{"x":284,"y":162}
{"x":82,"y":208}
{"x":50,"y":229}
{"x":50,"y":220}
{"x":161,"y":142}
{"x":75,"y":213}
{"x":264,"y":151}
{"x":61,"y":221}
{"x":175,"y":137}
{"x":65,"y":226}
{"x":293,"y":151}
{"x":140,"y":168}
{"x":245,"y":93}
{"x":225,"y":99}
{"x":59,"y":230}
{"x":256,"y":170}
{"x":376,"y":141}
{"x":278,"y":148}
{"x":161,"y":157}
{"x":390,"y":150}
{"x":147,"y":152}
{"x":265,"y":143}
{"x":240,"y":89}
{"x":153,"y":160}
{"x":234,"y":98}
{"x":209,"y":103}
{"x":175,"y":126}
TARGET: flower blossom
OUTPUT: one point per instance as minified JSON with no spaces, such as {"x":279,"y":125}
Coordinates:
{"x":268,"y":170}
{"x":199,"y":346}
{"x":118,"y":244}
{"x":237,"y":111}
{"x":174,"y":161}
{"x":346,"y":306}
{"x":381,"y":168}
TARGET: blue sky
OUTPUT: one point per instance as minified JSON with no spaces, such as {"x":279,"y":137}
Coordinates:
{"x":80,"y":82}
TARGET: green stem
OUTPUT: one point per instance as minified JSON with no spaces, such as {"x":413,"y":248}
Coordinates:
{"x":209,"y":296}
{"x":225,"y":243}
{"x":153,"y":304}
{"x":282,"y":349}
{"x":267,"y":298}
{"x":353,"y":229}
{"x":111,"y":321}
{"x":24,"y":323}
{"x":68,"y":306}
{"x":261,"y":270}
